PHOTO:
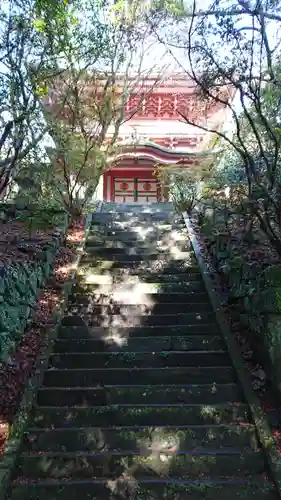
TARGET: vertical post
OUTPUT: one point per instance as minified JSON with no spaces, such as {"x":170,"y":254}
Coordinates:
{"x":112,"y":188}
{"x":171,"y":180}
{"x":105,"y":186}
{"x":159,"y":190}
{"x":135,"y":189}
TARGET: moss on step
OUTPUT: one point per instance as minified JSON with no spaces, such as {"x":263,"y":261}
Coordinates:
{"x":144,"y":415}
{"x":147,"y":375}
{"x":208,"y":437}
{"x":114,"y":490}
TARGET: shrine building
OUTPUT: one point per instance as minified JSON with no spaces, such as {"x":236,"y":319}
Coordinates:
{"x":154,"y":133}
{"x":160,"y":136}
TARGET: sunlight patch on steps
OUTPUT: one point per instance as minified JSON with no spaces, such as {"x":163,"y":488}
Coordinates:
{"x":116,"y":338}
{"x":91,"y":278}
{"x":177,"y":254}
{"x":150,"y":242}
{"x":159,"y":442}
{"x":126,"y":294}
{"x":142,"y":232}
{"x":157,"y":454}
{"x":130,"y":292}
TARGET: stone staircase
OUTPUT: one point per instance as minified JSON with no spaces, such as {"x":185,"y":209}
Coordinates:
{"x":140,"y":400}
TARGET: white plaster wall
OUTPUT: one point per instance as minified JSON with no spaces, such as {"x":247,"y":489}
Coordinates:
{"x":138,"y":129}
{"x":98,"y":195}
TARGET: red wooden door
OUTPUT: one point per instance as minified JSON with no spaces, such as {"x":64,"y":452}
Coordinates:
{"x":134,"y":190}
{"x":131,"y":187}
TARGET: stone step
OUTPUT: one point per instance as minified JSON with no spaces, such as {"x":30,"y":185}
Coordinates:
{"x":111,"y":395}
{"x":139,"y":226}
{"x":131,"y":219}
{"x":123,"y":321}
{"x":162,"y":245}
{"x":149,"y":219}
{"x":182,"y":464}
{"x":80,"y":296}
{"x":146,"y":415}
{"x":121,"y":247}
{"x":121,"y":335}
{"x":138,"y":359}
{"x":156,"y":267}
{"x":140,"y":219}
{"x":121,"y":290}
{"x":130,"y":212}
{"x":139,"y":234}
{"x":171,"y":299}
{"x":144,"y":223}
{"x":149,"y":375}
{"x":123,"y":256}
{"x":142,"y":252}
{"x":115,"y":274}
{"x":131,"y":242}
{"x":134,"y":438}
{"x":153,"y":489}
{"x":178,"y":240}
{"x":140,"y":344}
{"x":137,"y":311}
{"x":150,"y":216}
{"x":120,"y":278}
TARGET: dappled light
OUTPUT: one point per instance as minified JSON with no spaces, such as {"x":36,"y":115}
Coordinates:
{"x":63,"y":271}
{"x":115,"y":338}
{"x":140,"y":246}
{"x":140,"y":393}
{"x":129,"y":288}
{"x":154,"y":453}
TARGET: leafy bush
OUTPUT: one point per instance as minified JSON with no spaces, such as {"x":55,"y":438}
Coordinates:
{"x":183,"y":192}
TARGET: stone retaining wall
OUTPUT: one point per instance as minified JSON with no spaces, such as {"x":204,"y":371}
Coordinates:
{"x":20,"y":284}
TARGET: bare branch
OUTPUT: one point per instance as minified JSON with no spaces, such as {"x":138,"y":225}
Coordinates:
{"x":221,"y":13}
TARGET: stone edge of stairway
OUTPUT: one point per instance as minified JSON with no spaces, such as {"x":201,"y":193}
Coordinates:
{"x":258,"y":415}
{"x":13,"y":443}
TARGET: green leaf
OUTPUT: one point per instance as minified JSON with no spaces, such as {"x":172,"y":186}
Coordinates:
{"x":39,"y":25}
